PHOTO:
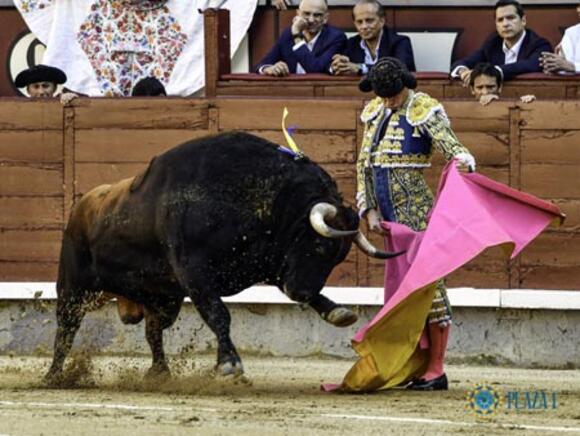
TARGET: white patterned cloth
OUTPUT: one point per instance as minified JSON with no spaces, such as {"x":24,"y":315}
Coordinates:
{"x":106,"y":46}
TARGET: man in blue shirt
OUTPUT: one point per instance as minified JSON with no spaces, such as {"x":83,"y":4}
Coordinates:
{"x":374,"y":40}
{"x":512,"y":50}
{"x":305,"y":47}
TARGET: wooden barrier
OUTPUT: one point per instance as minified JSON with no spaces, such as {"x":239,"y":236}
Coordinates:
{"x":50,"y":155}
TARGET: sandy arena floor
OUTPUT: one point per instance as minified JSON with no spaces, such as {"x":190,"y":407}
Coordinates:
{"x":282,"y":396}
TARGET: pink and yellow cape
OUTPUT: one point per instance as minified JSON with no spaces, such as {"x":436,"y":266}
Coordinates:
{"x":471,"y":213}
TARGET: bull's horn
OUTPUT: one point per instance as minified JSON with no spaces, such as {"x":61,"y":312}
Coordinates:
{"x":318,"y":213}
{"x":366,"y":247}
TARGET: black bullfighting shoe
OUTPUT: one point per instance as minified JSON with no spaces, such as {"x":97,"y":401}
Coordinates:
{"x":437,"y":384}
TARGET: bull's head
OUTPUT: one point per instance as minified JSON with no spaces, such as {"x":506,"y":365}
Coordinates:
{"x":321,"y":212}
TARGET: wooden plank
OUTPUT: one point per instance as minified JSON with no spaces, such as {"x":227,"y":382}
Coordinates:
{"x":499,"y":174}
{"x":31,"y":179}
{"x":551,"y":180}
{"x":551,"y":277}
{"x":68,"y":148}
{"x":515,"y":181}
{"x":556,"y":115}
{"x":28,"y":271}
{"x":91,"y":175}
{"x":25,"y":145}
{"x":30,"y":212}
{"x":473,"y":117}
{"x":267,"y":89}
{"x":572,"y":210}
{"x":307,"y":114}
{"x":123,"y":145}
{"x":24,"y":114}
{"x":341,"y":171}
{"x":476,"y":278}
{"x":562,"y":146}
{"x":216,"y":24}
{"x":29,"y":246}
{"x":320,"y":146}
{"x":553,"y":249}
{"x":543,"y":91}
{"x":141,"y":113}
{"x":489,"y":148}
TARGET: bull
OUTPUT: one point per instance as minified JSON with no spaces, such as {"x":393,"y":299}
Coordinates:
{"x":206,"y":219}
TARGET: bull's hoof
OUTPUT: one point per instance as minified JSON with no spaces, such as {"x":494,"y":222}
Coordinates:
{"x":52,"y":380}
{"x":158,"y":373}
{"x":341,"y":317}
{"x":228,"y":368}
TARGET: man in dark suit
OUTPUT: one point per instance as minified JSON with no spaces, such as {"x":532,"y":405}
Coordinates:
{"x":374,"y":41}
{"x":513,"y":49}
{"x":307,"y":46}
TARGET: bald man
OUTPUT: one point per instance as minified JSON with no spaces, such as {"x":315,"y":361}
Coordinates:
{"x":307,"y":46}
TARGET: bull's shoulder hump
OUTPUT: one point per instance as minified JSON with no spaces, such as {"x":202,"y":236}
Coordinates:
{"x":139,"y":179}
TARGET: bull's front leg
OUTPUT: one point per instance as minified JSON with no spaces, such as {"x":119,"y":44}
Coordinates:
{"x":331,"y":312}
{"x":216,"y":315}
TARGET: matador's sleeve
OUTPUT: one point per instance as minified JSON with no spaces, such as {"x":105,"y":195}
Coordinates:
{"x":443,"y":137}
{"x":365,"y":198}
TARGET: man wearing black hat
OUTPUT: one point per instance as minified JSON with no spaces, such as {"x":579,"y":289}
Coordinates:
{"x":41,"y":81}
{"x":401,"y":128}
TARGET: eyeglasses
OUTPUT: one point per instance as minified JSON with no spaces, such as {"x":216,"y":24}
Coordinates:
{"x":312,"y":15}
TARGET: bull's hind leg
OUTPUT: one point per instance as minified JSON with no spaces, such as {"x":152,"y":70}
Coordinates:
{"x":156,"y":320}
{"x":331,"y":312}
{"x":69,"y":314}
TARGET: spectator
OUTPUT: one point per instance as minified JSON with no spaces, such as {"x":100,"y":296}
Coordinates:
{"x":41,"y":81}
{"x":513,"y":49}
{"x":486,"y":83}
{"x":566,"y":58}
{"x":374,"y":40}
{"x":307,"y":46}
{"x":149,"y":86}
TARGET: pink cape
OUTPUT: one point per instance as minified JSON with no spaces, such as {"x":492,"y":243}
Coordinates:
{"x":471,"y":213}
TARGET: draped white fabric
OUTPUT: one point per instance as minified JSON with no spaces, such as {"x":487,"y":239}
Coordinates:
{"x":106,"y":46}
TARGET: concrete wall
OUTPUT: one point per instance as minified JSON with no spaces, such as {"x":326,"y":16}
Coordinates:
{"x":526,"y":338}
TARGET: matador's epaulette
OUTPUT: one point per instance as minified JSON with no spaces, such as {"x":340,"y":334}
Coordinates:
{"x":371,"y":110}
{"x":423,"y":107}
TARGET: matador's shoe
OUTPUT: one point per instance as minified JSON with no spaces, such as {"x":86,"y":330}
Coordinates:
{"x":437,"y":384}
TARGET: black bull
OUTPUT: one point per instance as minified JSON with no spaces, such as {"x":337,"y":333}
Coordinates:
{"x":208,"y":218}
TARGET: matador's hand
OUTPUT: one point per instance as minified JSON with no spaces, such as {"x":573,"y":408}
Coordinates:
{"x":374,"y":222}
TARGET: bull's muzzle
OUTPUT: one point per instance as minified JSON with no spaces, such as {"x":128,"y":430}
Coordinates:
{"x":322,"y":211}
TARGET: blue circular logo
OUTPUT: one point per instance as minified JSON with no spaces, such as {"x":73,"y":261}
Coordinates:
{"x":483,"y":400}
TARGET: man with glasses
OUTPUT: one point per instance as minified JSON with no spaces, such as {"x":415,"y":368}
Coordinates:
{"x":307,"y":46}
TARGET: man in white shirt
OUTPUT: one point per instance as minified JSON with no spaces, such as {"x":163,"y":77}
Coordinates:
{"x":566,"y":59}
{"x":513,"y":49}
{"x":305,"y":47}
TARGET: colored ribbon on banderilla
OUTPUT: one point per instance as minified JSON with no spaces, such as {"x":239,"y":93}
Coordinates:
{"x":289,"y":140}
